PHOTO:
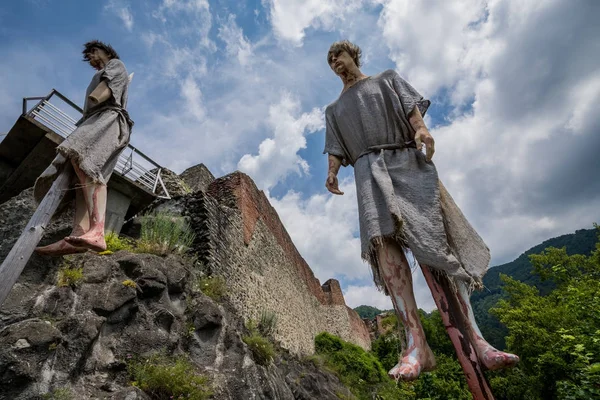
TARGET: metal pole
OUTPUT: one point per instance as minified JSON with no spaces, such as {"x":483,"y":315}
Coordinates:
{"x":13,"y":264}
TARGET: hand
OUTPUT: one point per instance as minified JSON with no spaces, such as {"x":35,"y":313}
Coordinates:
{"x":422,"y":136}
{"x":332,"y":184}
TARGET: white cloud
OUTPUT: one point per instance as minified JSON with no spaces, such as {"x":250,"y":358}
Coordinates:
{"x":237,"y":44}
{"x":122,"y":12}
{"x":436,"y":45}
{"x":366,"y":295}
{"x":291,"y":18}
{"x":278,"y":156}
{"x":323,"y":228}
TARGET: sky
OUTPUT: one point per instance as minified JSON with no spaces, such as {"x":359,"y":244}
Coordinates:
{"x":514,"y":85}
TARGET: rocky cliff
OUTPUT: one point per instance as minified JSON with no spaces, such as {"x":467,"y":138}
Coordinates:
{"x":82,"y":336}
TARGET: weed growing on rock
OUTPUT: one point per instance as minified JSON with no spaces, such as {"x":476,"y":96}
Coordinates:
{"x":59,"y":394}
{"x":258,"y":341}
{"x":213,"y":286}
{"x":267,"y":324}
{"x":115,"y":243}
{"x":164,"y":233}
{"x":129,"y":283}
{"x":261,"y":348}
{"x":69,"y":276}
{"x":163,"y":377}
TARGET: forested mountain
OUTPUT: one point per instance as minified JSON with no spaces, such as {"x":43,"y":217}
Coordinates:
{"x":367,"y":311}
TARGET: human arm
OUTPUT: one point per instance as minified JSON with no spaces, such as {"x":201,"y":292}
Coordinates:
{"x":422,"y":135}
{"x":332,"y":181}
{"x":414,"y":108}
{"x":100,"y":94}
{"x":113,"y":82}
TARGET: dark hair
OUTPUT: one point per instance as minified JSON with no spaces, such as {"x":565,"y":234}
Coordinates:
{"x":347,"y":46}
{"x":96,"y":44}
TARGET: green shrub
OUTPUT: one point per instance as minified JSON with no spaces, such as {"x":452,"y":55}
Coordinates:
{"x":261,"y":348}
{"x":68,"y":276}
{"x":164,"y":377}
{"x":164,"y":233}
{"x":359,"y":370}
{"x":213,"y":286}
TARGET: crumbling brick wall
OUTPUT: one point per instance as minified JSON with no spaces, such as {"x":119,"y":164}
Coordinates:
{"x":244,"y":240}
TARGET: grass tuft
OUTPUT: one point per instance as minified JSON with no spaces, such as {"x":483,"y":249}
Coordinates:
{"x":261,"y":348}
{"x":213,"y":286}
{"x":164,"y":377}
{"x":164,"y":233}
{"x":68,"y":276}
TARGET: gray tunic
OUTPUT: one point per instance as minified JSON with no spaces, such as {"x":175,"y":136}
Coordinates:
{"x":101,"y":135}
{"x":399,"y":194}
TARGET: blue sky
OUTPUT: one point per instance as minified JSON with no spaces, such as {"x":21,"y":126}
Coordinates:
{"x":515,"y":87}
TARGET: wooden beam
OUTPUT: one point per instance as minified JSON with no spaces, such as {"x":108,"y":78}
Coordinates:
{"x":13,"y":264}
{"x":456,"y":323}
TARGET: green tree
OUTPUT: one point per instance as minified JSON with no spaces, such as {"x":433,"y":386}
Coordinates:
{"x":557,"y":336}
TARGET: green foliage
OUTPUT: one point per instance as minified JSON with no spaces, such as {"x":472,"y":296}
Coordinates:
{"x":59,"y":394}
{"x":164,"y":377}
{"x":581,"y":242}
{"x":367,"y":311}
{"x":557,"y":336}
{"x":213,"y":286}
{"x":447,"y":381}
{"x":259,"y":339}
{"x":115,"y":243}
{"x":69,"y":276}
{"x":164,"y":233}
{"x":360,"y":371}
{"x":261,"y":348}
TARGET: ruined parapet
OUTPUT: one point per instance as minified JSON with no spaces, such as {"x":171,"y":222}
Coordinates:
{"x":247,"y":244}
{"x":197,"y":177}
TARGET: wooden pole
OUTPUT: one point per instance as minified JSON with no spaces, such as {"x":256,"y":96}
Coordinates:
{"x":19,"y":255}
{"x":456,"y":323}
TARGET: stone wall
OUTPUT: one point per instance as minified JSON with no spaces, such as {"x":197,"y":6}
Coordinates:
{"x":243,"y":239}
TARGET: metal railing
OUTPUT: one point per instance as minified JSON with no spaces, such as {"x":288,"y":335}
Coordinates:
{"x":58,"y":113}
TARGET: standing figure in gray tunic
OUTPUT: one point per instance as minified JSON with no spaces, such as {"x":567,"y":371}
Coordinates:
{"x":376,"y":125}
{"x":93,"y":149}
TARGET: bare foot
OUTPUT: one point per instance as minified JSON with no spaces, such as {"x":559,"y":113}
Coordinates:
{"x":92,"y":240}
{"x":60,"y":248}
{"x":415,"y":361}
{"x":492,"y":358}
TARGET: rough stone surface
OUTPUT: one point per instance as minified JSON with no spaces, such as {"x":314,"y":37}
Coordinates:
{"x":80,"y":338}
{"x":197,"y":177}
{"x":242,"y":238}
{"x":174,"y":184}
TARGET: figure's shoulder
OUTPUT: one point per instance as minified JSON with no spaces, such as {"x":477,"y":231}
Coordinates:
{"x":331,"y":107}
{"x":115,"y":64}
{"x":389,"y":74}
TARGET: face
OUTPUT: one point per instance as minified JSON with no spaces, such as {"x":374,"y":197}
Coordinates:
{"x":340,"y":61}
{"x":97,"y":58}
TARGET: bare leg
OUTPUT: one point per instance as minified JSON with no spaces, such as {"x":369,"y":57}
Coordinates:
{"x":95,"y":200}
{"x":80,"y":226}
{"x":489,"y":356}
{"x":396,"y":272}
